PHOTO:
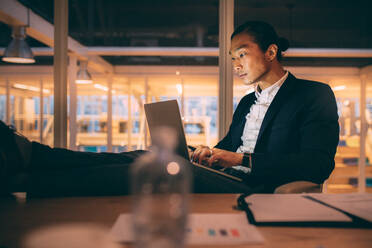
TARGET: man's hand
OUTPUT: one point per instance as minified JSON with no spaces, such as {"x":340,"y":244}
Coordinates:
{"x":201,"y":154}
{"x":225,"y":158}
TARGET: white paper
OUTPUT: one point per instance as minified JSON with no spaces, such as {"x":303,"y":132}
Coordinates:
{"x":357,"y":204}
{"x":291,"y":208}
{"x":203,"y":229}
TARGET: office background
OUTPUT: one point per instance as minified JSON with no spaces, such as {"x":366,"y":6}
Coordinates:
{"x":122,"y":54}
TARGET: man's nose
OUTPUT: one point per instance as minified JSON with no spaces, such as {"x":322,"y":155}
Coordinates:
{"x":237,"y":66}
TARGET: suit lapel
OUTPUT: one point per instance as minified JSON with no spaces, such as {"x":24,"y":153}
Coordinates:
{"x":250,"y":102}
{"x":278,"y":101}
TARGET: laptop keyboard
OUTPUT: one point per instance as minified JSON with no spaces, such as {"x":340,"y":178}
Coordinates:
{"x":233,"y":172}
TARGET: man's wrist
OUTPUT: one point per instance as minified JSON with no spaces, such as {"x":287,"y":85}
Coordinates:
{"x":240,"y":159}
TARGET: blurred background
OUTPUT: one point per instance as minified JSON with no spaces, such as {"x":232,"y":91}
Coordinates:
{"x":123,"y":54}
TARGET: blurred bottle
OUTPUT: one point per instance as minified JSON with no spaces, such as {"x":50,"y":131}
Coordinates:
{"x":160,"y":187}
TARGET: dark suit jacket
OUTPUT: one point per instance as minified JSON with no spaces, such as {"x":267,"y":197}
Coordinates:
{"x":298,"y":137}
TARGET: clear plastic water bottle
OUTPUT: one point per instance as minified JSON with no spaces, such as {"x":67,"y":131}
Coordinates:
{"x":160,"y":187}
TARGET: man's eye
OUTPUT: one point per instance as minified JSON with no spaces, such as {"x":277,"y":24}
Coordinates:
{"x":233,"y":59}
{"x":242,"y":55}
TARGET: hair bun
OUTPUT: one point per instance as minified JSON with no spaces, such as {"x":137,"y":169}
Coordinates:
{"x":283,"y":44}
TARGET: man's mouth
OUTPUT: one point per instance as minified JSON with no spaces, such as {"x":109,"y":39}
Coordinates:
{"x":242,"y":75}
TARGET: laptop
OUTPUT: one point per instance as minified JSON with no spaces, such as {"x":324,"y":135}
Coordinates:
{"x":167,"y":113}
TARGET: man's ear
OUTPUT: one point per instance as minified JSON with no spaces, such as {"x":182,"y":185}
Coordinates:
{"x":271,"y":52}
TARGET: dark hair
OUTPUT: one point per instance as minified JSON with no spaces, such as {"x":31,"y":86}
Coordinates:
{"x":264,"y":35}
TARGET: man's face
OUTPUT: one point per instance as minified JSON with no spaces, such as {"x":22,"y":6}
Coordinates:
{"x":248,"y":59}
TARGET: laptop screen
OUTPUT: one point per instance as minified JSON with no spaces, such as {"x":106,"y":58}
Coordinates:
{"x":167,"y":113}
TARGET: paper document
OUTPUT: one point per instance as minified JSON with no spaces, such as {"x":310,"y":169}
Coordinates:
{"x":356,"y":204}
{"x":203,"y":229}
{"x":291,"y":208}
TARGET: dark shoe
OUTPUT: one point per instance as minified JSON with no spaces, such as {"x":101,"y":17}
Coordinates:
{"x":12,"y":160}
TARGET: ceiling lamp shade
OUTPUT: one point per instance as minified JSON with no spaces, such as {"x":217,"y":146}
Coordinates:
{"x":18,"y":50}
{"x":83,"y":76}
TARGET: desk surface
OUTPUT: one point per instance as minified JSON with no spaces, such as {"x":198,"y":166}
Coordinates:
{"x":18,"y":218}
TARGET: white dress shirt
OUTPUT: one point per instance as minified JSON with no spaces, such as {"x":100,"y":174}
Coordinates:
{"x":255,"y":117}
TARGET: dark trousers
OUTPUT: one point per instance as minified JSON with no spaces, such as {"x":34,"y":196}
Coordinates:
{"x":62,"y":172}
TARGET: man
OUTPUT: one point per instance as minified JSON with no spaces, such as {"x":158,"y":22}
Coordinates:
{"x":287,"y":130}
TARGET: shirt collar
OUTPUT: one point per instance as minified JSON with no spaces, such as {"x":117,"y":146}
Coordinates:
{"x":271,"y":88}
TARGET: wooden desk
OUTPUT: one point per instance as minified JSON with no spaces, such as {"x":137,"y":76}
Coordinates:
{"x":17,"y":219}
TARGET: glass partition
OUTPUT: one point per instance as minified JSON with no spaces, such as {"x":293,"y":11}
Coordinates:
{"x":128,"y":120}
{"x":120,"y":118}
{"x":92,"y":116}
{"x":197,"y":100}
{"x":344,"y":178}
{"x":27,"y":93}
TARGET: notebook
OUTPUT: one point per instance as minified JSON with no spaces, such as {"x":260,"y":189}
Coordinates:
{"x":350,"y":210}
{"x":167,"y":113}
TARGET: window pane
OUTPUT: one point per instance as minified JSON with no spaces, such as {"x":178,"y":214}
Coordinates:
{"x":128,"y":120}
{"x":25,"y":107}
{"x":344,"y":178}
{"x":197,"y":100}
{"x":92,"y":116}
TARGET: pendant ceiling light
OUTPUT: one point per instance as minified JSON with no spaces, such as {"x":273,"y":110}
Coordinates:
{"x":83,"y":76}
{"x":18,"y":50}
